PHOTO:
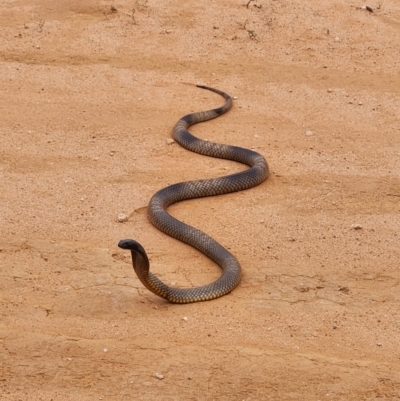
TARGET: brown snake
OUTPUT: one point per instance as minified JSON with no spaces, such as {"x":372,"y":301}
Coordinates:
{"x":231,"y":270}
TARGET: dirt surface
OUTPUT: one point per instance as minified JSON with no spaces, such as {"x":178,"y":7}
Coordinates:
{"x":89,"y":92}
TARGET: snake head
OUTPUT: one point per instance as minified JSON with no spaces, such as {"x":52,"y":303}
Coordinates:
{"x":131,"y":244}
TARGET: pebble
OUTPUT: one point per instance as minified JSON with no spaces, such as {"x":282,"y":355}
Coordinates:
{"x":185,"y":318}
{"x":356,"y":226}
{"x":379,"y":344}
{"x":105,"y":349}
{"x":159,"y":376}
{"x":122,"y":218}
{"x":170,"y":141}
{"x":309,"y":133}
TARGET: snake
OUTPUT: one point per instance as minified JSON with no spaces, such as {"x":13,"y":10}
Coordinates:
{"x":257,"y":172}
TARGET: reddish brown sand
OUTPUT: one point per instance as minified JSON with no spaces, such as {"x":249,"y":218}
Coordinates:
{"x":89,"y":92}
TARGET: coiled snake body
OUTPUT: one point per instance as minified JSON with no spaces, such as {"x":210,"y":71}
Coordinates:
{"x":231,"y":270}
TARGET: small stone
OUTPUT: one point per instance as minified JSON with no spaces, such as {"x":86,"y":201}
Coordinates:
{"x":330,"y":90}
{"x":170,"y":141}
{"x":185,"y":318}
{"x":112,"y":152}
{"x":234,"y":97}
{"x":356,"y":226}
{"x":105,"y":349}
{"x":159,"y":376}
{"x":309,"y":133}
{"x":302,"y":288}
{"x":122,"y":218}
{"x":379,"y":344}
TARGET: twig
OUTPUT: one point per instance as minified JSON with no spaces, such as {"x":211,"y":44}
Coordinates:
{"x":247,"y":5}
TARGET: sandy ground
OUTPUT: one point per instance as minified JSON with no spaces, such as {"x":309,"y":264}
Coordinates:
{"x":89,"y":92}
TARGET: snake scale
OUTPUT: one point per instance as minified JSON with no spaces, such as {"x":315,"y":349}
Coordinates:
{"x":159,"y":217}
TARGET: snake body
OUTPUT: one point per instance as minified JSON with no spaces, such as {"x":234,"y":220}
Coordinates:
{"x":159,"y":217}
